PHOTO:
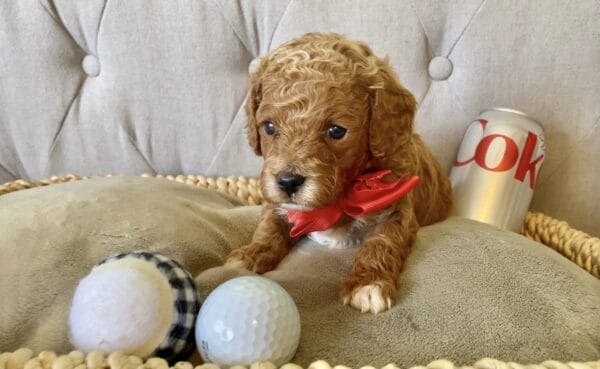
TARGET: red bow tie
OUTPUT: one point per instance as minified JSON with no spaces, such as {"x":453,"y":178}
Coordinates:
{"x":367,"y":194}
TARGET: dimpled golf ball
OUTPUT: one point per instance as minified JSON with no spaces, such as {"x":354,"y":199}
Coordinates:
{"x":245,"y":320}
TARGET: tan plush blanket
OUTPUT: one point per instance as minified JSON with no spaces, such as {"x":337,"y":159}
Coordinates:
{"x":468,"y":291}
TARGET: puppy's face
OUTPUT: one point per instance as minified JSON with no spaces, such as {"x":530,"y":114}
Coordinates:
{"x":320,"y":108}
{"x":312,"y":133}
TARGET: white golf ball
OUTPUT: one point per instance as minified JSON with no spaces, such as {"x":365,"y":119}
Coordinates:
{"x":248,"y":319}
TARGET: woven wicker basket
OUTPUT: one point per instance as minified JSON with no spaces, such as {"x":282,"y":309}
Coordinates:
{"x":579,"y":247}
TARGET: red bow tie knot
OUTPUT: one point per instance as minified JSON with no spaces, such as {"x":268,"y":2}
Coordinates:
{"x":368,"y":194}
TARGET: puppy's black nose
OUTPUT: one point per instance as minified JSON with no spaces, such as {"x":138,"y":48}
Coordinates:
{"x":290,"y":183}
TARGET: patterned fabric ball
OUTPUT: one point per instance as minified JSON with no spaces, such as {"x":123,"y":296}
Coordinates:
{"x":124,"y":304}
{"x":180,"y":339}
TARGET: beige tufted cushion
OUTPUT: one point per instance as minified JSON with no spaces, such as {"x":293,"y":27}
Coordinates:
{"x":468,"y":291}
{"x":100,"y":87}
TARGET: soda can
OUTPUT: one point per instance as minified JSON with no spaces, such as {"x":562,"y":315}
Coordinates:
{"x":497,"y":166}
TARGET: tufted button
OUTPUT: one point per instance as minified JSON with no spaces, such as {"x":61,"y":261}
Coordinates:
{"x":253,"y":65}
{"x":91,"y":65}
{"x":440,"y":68}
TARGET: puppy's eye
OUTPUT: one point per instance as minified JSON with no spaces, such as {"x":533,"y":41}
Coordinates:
{"x":269,"y":128}
{"x":337,"y":132}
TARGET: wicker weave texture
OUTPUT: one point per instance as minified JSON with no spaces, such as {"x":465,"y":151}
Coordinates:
{"x":579,"y":247}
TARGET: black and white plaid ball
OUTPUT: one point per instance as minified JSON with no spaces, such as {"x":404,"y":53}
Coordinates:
{"x":179,"y":341}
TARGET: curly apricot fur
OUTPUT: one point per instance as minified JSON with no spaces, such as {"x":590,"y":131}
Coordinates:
{"x":304,"y":87}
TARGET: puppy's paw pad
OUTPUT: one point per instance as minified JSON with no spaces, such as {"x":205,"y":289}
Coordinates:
{"x":369,"y":298}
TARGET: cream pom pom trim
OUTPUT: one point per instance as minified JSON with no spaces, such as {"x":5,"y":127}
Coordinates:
{"x":24,"y":359}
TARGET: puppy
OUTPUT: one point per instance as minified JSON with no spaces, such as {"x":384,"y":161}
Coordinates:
{"x":323,"y":111}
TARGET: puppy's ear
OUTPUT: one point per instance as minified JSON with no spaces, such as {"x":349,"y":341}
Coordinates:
{"x":252,"y":104}
{"x":392,"y":113}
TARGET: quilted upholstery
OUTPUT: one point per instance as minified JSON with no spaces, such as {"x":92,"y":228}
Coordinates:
{"x":97,"y":86}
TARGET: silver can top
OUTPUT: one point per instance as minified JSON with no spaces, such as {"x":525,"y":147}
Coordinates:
{"x":513,"y":111}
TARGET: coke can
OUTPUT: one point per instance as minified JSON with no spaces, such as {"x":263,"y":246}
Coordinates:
{"x":497,"y":167}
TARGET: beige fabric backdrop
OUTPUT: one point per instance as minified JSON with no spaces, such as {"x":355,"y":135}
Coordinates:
{"x":163,"y":82}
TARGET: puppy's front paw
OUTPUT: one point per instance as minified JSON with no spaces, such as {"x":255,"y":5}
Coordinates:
{"x":237,"y":262}
{"x":254,"y":257}
{"x":240,"y":260}
{"x":374,"y":297}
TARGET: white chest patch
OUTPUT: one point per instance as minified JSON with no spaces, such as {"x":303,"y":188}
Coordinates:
{"x":346,"y":235}
{"x":335,"y":239}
